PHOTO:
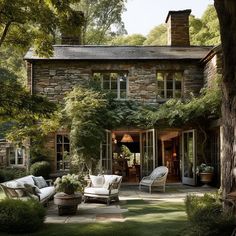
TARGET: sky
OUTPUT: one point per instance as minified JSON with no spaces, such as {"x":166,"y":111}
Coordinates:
{"x":143,"y":15}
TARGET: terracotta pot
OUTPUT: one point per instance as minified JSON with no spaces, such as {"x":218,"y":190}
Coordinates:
{"x":206,"y":178}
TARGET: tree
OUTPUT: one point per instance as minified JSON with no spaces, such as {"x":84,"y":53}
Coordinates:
{"x":134,"y":39}
{"x":102,"y":19}
{"x":27,"y":22}
{"x":157,"y":36}
{"x":203,"y":31}
{"x":226,"y":11}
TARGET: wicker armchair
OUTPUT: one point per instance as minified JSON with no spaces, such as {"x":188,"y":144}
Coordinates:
{"x":155,"y":179}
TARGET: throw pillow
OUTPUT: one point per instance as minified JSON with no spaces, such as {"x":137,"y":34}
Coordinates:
{"x":40,"y":182}
{"x":15,"y":192}
{"x":97,"y":181}
{"x":109,"y":179}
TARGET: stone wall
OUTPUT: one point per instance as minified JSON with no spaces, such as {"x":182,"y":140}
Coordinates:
{"x":213,"y":70}
{"x":55,"y":78}
{"x":3,"y":154}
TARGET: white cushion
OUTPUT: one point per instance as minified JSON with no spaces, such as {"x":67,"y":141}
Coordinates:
{"x":27,"y":179}
{"x":46,"y":192}
{"x":97,"y":181}
{"x":15,"y":184}
{"x":146,"y":182}
{"x":109,"y":179}
{"x":99,"y":191}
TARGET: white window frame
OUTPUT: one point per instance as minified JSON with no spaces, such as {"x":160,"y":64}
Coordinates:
{"x":63,"y":162}
{"x":120,"y":74}
{"x":16,"y":156}
{"x":173,"y":85}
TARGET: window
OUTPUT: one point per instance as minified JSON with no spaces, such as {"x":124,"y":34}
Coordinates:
{"x":16,"y":156}
{"x":116,"y":83}
{"x":169,"y":85}
{"x":62,"y":151}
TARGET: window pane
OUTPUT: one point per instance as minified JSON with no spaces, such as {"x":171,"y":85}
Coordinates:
{"x":123,"y":94}
{"x":160,"y":76}
{"x":169,"y":94}
{"x":67,"y":148}
{"x":106,"y":84}
{"x":11,"y":156}
{"x":178,"y":85}
{"x":66,"y":139}
{"x":178,"y":76}
{"x":59,"y":138}
{"x":161,"y":93}
{"x":59,"y":147}
{"x":169,"y":84}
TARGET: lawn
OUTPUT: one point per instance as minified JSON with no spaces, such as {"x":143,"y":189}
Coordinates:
{"x":143,"y":218}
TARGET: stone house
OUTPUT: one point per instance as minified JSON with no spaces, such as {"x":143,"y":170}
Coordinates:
{"x":151,"y":74}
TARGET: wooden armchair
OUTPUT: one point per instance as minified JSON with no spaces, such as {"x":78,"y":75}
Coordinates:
{"x":155,"y":179}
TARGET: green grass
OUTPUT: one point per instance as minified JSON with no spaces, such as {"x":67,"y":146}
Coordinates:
{"x":143,"y":218}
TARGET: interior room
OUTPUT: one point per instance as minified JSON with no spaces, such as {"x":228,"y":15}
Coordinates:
{"x":126,"y":155}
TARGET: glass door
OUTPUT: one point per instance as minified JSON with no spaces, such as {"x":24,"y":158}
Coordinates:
{"x":106,"y":153}
{"x":148,"y":154}
{"x":189,"y":157}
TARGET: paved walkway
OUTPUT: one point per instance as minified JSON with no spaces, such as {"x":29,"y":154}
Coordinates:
{"x":99,"y":212}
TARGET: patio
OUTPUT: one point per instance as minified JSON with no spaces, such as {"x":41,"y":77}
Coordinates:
{"x":94,"y":212}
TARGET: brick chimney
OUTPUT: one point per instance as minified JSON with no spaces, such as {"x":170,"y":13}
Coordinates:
{"x":71,"y":29}
{"x":178,"y":28}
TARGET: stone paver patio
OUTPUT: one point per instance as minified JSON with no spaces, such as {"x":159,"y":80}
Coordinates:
{"x":99,"y":212}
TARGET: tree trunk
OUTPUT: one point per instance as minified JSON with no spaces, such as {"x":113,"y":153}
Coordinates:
{"x":226,"y":11}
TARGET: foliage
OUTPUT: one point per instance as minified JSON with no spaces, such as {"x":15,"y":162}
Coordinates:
{"x":203,"y":31}
{"x":27,"y":22}
{"x":84,"y":115}
{"x":102,"y":19}
{"x":41,"y":168}
{"x":69,"y":183}
{"x":204,"y":168}
{"x":157,"y":36}
{"x":206,"y":216}
{"x":11,"y":173}
{"x":195,"y":109}
{"x":23,"y":110}
{"x":17,"y":216}
{"x":134,"y":39}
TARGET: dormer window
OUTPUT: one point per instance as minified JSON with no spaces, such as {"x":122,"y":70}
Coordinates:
{"x":114,"y":82}
{"x":169,"y":84}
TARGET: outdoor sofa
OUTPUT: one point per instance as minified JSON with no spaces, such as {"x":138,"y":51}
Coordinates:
{"x":29,"y":187}
{"x":104,"y":187}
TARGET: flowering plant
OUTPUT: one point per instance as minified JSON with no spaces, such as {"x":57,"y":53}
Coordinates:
{"x":204,"y":168}
{"x":69,"y":183}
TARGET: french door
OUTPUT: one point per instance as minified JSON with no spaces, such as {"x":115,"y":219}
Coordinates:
{"x":106,"y":153}
{"x":148,"y":151}
{"x":189,"y":157}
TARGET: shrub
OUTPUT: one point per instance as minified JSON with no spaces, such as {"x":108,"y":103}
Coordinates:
{"x":207,"y":217}
{"x":41,"y":168}
{"x":11,"y":173}
{"x":18,"y":216}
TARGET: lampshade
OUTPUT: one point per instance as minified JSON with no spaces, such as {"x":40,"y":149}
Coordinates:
{"x":127,"y":139}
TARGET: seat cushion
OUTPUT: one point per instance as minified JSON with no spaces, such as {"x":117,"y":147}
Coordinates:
{"x":97,"y":181}
{"x":46,"y":192}
{"x":99,"y":191}
{"x":146,"y":182}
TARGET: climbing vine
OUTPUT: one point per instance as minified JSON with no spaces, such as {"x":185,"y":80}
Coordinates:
{"x":88,"y":113}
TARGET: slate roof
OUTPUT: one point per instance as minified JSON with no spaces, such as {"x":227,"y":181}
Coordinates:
{"x":78,"y":52}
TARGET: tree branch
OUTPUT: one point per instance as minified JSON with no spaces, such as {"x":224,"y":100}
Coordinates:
{"x":4,"y":34}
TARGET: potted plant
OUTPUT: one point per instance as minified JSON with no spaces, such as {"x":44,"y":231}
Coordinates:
{"x":206,"y":173}
{"x":68,"y":197}
{"x":69,"y":184}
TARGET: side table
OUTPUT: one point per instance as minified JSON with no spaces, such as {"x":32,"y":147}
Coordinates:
{"x":67,"y":203}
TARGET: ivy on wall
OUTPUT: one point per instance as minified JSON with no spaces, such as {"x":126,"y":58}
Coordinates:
{"x":87,"y":113}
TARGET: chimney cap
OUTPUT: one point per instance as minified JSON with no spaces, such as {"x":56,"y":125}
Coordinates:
{"x":187,"y":12}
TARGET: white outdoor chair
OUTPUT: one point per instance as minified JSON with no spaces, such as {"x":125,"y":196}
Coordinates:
{"x":155,"y":179}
